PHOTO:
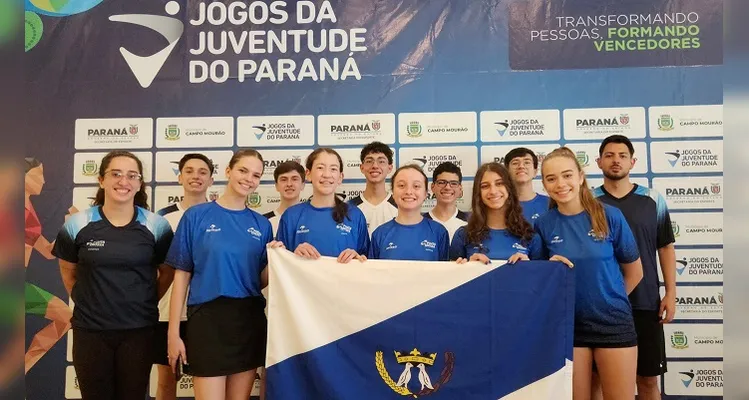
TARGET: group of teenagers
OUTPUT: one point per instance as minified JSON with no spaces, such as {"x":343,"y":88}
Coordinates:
{"x":182,"y":286}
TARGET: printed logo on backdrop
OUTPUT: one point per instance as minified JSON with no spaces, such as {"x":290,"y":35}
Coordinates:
{"x":694,"y":340}
{"x":686,"y":121}
{"x":113,"y":133}
{"x":697,"y":265}
{"x":547,"y":34}
{"x":428,"y":158}
{"x":699,"y":302}
{"x":355,"y":129}
{"x":451,"y":127}
{"x":525,"y":125}
{"x":697,"y":228}
{"x":694,"y":378}
{"x":692,"y":192}
{"x":219,"y":43}
{"x":195,"y":132}
{"x":598,"y":123}
{"x":276,"y":131}
{"x":693,"y":156}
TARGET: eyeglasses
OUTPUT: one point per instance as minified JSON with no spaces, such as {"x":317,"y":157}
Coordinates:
{"x":382,"y":162}
{"x":118,"y":175}
{"x":442,"y":183}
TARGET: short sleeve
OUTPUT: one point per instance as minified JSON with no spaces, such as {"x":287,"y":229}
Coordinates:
{"x":363,"y":241}
{"x":179,"y":255}
{"x":284,"y":235}
{"x":65,"y":247}
{"x":374,"y":248}
{"x":163,"y":236}
{"x":444,"y":244}
{"x":535,"y":248}
{"x":625,"y":246}
{"x":458,"y":245}
{"x":665,"y":232}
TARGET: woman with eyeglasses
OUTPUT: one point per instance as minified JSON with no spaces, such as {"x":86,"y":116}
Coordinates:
{"x":496,"y":229}
{"x":111,"y":259}
{"x":410,"y":236}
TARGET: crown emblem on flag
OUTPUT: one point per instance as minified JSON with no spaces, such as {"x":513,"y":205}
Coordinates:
{"x":415,"y":357}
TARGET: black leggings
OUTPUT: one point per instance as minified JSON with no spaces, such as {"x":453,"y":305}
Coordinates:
{"x":113,"y":364}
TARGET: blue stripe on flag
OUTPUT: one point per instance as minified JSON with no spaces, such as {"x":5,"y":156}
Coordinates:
{"x":492,"y":336}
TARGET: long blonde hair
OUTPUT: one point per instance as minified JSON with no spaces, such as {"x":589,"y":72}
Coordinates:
{"x":593,"y":207}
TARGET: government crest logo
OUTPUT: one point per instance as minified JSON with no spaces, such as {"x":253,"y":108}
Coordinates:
{"x":416,"y":362}
{"x":582,"y":158}
{"x":213,"y":195}
{"x":254,"y":200}
{"x":665,"y":123}
{"x":675,"y":229}
{"x":414,"y":129}
{"x":133,"y":129}
{"x":624,"y":119}
{"x":90,"y":168}
{"x":376,"y":125}
{"x":715,"y":188}
{"x":679,"y":340}
{"x":172,"y":132}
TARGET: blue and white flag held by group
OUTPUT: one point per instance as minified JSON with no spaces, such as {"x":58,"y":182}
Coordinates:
{"x":403,"y":329}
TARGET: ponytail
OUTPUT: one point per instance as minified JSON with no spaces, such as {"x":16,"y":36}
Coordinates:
{"x":340,"y":211}
{"x":590,"y":204}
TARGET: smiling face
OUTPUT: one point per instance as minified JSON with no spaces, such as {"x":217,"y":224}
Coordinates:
{"x":521,"y":169}
{"x":375,"y":167}
{"x":195,"y":176}
{"x":244,"y":175}
{"x":409,"y":189}
{"x":121,"y":181}
{"x":562,"y":179}
{"x":447,"y":188}
{"x":615,"y":161}
{"x":325,"y":174}
{"x":493,"y":191}
{"x":289,"y":185}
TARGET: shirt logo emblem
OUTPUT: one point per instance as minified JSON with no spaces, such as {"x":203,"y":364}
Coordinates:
{"x":213,"y":228}
{"x":391,"y":246}
{"x":534,"y":216}
{"x":95,"y":245}
{"x":428,"y":246}
{"x":255,"y":233}
{"x":345,"y":229}
{"x":302,"y":229}
{"x":556,"y":239}
{"x":519,"y":247}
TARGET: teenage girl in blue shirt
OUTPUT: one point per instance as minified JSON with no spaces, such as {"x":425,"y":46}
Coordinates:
{"x":220,"y":251}
{"x":410,"y":236}
{"x":496,"y":229}
{"x":596,"y":238}
{"x":325,"y":225}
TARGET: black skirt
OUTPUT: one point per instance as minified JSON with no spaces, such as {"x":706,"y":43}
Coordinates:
{"x":226,"y":336}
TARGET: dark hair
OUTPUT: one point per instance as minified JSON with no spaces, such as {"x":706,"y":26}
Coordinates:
{"x":590,"y":204}
{"x":141,"y":198}
{"x":340,"y":211}
{"x":477,"y":229}
{"x":195,"y":156}
{"x":520,"y":152}
{"x":448,"y":167}
{"x":377,"y":147}
{"x":240,"y":154}
{"x":621,"y":139}
{"x":31,"y":163}
{"x":288,"y":166}
{"x":405,"y":167}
